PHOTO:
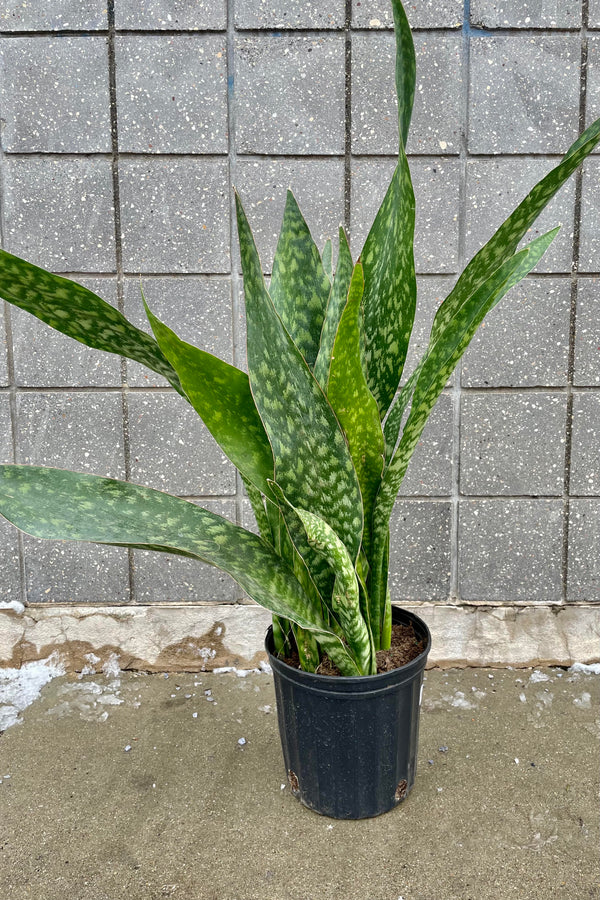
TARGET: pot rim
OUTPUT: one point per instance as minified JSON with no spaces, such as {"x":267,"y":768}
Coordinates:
{"x":407,"y":669}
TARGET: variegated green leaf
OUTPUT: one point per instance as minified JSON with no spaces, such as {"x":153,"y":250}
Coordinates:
{"x":393,"y":422}
{"x":438,"y":365}
{"x":257,"y":503}
{"x":346,"y":600}
{"x":62,"y":505}
{"x":312,"y":461}
{"x":318,"y":569}
{"x":406,"y":69}
{"x":335,"y":306}
{"x":299,"y":285}
{"x":327,"y":258}
{"x":505,"y":241}
{"x":390,"y":287}
{"x":353,"y":402}
{"x":221,"y":396}
{"x":79,"y":313}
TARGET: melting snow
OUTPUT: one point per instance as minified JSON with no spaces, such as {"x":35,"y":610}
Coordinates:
{"x":20,"y":687}
{"x":584,"y":702}
{"x":593,"y":669}
{"x":536,"y":677}
{"x":15,"y":605}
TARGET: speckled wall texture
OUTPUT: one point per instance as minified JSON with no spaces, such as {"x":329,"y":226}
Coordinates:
{"x":124,"y":125}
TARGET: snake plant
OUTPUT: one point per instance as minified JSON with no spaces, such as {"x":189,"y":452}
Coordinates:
{"x":318,"y":428}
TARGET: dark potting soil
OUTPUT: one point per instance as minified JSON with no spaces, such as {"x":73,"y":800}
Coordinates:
{"x":405,"y":647}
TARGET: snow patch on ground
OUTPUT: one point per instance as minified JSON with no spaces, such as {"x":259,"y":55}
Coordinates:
{"x":20,"y":687}
{"x":537,"y":677}
{"x":584,"y":669}
{"x":265,"y":669}
{"x":88,"y":698}
{"x":16,"y":606}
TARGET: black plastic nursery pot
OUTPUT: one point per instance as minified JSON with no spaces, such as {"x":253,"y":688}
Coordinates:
{"x":350,"y":744}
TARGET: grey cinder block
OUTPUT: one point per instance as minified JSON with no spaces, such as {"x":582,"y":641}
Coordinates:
{"x":54,"y":95}
{"x":60,"y":15}
{"x":289,"y":94}
{"x":171,"y":15}
{"x":512,"y":444}
{"x":524,"y":94}
{"x":80,"y":430}
{"x":420,"y":550}
{"x":524,"y":341}
{"x":317,"y":184}
{"x":510,"y":550}
{"x":587,"y":334}
{"x":585,"y":454}
{"x":73,"y":572}
{"x":59,"y":212}
{"x":172,"y":450}
{"x":526,"y":13}
{"x":175,"y":215}
{"x":584,"y":560}
{"x":429,"y":471}
{"x":282,"y":14}
{"x":589,"y":252}
{"x":172,"y":93}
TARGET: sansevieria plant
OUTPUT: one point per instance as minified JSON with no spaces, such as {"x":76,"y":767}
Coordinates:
{"x":318,"y":428}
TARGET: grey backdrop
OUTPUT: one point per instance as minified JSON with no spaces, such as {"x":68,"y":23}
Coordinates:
{"x":125,"y":123}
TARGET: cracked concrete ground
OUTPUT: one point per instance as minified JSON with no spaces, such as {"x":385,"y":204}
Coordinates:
{"x":144,"y":787}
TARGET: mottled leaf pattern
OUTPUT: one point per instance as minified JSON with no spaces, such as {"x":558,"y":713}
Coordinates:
{"x":257,"y":503}
{"x":393,"y":422}
{"x":337,"y":301}
{"x":505,"y":241}
{"x":346,"y":602}
{"x":312,"y":461}
{"x":79,"y":313}
{"x":318,"y":568}
{"x":62,"y":505}
{"x":439,"y":363}
{"x":327,"y":258}
{"x":406,"y":69}
{"x":390,"y":287}
{"x":299,"y":285}
{"x":353,"y":402}
{"x":221,"y":396}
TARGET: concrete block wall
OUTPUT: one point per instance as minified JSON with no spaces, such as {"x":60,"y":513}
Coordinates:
{"x":124,"y":125}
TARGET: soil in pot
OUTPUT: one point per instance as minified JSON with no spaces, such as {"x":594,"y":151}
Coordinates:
{"x":405,"y":647}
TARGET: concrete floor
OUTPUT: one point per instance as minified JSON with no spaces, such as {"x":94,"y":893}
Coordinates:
{"x":505,"y":804}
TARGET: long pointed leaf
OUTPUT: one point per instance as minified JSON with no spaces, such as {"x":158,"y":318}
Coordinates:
{"x":390,"y":286}
{"x":312,"y":461}
{"x":57,"y":504}
{"x":335,"y":306}
{"x":438,"y":365}
{"x":79,"y":313}
{"x":406,"y":69}
{"x":221,"y":396}
{"x":353,"y":402}
{"x":299,"y":285}
{"x":327,"y":259}
{"x":393,"y":422}
{"x":346,"y":598}
{"x":504,"y":242}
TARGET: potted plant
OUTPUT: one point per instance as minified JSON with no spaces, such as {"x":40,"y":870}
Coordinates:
{"x":322,"y":436}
